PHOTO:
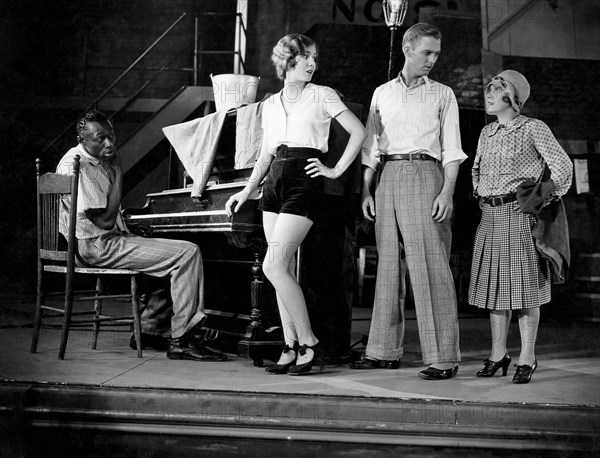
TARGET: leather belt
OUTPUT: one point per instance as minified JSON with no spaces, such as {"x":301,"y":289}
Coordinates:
{"x":292,"y":151}
{"x":407,"y":157}
{"x":496,"y":201}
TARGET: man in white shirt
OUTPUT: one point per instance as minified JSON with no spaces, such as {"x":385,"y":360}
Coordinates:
{"x":413,"y":140}
{"x":104,"y":241}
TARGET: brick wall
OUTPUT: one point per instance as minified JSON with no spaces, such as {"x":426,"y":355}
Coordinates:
{"x":65,"y":48}
{"x":59,"y":48}
{"x":563,"y":93}
{"x":354,"y":57}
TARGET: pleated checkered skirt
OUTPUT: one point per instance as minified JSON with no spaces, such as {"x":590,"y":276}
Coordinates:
{"x":507,"y":272}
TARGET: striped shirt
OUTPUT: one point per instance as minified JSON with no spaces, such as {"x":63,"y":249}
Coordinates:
{"x":307,"y":125}
{"x":509,"y":155}
{"x":95,"y":182}
{"x":402,"y":120}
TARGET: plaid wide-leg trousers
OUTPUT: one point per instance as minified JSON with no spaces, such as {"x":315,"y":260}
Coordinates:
{"x":180,"y":260}
{"x":409,"y":240}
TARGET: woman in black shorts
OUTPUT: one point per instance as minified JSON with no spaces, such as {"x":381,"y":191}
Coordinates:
{"x":295,"y":125}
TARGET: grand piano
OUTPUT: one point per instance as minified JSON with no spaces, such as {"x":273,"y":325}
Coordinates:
{"x":240,"y":303}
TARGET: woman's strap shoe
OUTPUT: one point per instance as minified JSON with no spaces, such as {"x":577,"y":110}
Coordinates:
{"x":431,"y":373}
{"x":277,"y":369}
{"x":524,"y":372}
{"x":491,"y":367}
{"x":305,"y":368}
{"x":367,"y":364}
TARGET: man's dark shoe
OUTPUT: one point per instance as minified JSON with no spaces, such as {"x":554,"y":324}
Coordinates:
{"x":198,"y":330}
{"x":203,"y":349}
{"x":431,"y":373}
{"x":179,"y":349}
{"x":159,"y":343}
{"x":199,"y":344}
{"x":366,"y":363}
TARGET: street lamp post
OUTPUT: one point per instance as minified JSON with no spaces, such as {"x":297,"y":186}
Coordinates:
{"x":394,"y":12}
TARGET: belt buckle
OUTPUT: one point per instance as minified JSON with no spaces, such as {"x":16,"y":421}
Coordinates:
{"x":499,"y":199}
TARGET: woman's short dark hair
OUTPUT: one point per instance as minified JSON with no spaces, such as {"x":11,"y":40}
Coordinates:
{"x":90,"y":116}
{"x":287,"y":49}
{"x":422,"y":29}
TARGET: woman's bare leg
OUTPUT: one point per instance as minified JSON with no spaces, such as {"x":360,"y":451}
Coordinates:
{"x":285,"y":233}
{"x":529,"y":320}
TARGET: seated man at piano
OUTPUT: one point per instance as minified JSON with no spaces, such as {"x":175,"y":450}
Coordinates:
{"x":104,"y":241}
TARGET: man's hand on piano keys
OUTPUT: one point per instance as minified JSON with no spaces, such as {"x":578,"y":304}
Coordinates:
{"x":140,"y":229}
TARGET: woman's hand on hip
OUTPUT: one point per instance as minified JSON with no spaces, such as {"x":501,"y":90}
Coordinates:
{"x":315,"y":168}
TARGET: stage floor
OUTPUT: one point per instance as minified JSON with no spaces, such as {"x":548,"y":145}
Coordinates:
{"x":568,"y":372}
{"x":568,"y":376}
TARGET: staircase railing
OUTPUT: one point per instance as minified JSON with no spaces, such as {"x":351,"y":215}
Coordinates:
{"x":137,"y":93}
{"x":94,"y":104}
{"x":238,"y":52}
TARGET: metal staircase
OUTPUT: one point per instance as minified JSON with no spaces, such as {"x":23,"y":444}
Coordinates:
{"x":140,"y":143}
{"x":146,"y":165}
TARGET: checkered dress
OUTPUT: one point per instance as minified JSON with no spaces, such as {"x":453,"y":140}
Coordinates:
{"x":507,"y":272}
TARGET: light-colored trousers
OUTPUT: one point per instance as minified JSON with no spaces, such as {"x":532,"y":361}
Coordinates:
{"x":177,"y":259}
{"x":408,"y":239}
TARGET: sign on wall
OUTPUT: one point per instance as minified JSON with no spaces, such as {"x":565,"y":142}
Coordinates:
{"x":358,"y":12}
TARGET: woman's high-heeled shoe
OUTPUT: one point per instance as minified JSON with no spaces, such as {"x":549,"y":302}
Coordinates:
{"x":524,"y":372}
{"x":276,"y":369}
{"x":305,"y":368}
{"x":491,"y":367}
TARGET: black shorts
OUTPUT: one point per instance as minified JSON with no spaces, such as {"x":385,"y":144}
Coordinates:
{"x":288,"y":189}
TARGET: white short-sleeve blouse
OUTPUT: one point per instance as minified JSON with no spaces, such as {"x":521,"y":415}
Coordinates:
{"x":307,"y":125}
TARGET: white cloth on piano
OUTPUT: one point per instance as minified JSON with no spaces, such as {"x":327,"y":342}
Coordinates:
{"x":248,"y":135}
{"x":195,"y":142}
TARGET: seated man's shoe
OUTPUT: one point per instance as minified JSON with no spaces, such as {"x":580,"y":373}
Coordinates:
{"x":197,"y":330}
{"x":431,"y":373}
{"x":180,"y":349}
{"x":200,"y":347}
{"x":155,"y":342}
{"x":367,"y":363}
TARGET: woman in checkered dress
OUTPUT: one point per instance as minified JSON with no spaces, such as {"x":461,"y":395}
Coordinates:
{"x":507,"y":272}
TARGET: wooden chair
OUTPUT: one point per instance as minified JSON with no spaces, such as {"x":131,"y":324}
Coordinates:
{"x":58,"y":256}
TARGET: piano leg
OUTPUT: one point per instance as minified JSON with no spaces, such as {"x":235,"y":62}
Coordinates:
{"x":259,"y":344}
